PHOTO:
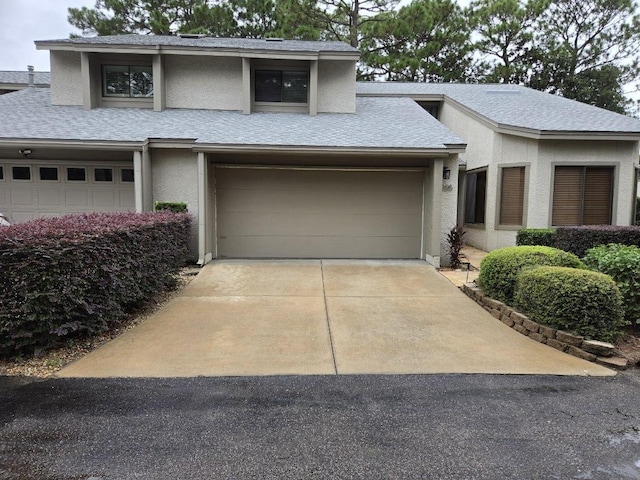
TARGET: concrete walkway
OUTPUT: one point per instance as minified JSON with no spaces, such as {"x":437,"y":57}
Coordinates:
{"x":322,"y":317}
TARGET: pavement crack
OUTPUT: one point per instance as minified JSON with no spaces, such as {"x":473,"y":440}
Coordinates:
{"x":326,"y":314}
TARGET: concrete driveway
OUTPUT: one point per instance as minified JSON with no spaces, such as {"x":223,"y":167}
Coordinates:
{"x":322,"y":317}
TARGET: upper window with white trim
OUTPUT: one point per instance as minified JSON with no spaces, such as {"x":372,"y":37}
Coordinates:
{"x":127,"y":81}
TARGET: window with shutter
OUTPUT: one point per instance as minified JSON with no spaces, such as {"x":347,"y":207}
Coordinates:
{"x":475,"y":197}
{"x":512,"y":196}
{"x":582,"y":196}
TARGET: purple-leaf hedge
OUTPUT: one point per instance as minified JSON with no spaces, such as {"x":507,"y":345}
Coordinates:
{"x":79,"y":274}
{"x":578,"y":240}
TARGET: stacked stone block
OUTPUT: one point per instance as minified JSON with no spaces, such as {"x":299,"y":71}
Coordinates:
{"x":590,"y":350}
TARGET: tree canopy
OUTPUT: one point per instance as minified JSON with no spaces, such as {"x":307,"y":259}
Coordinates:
{"x":581,"y":49}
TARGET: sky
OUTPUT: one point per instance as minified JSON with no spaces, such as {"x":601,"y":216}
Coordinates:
{"x":23,"y":21}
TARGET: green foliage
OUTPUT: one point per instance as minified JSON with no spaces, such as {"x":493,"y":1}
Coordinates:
{"x":425,"y":41}
{"x":579,"y":301}
{"x":505,"y":31}
{"x":622,"y":263}
{"x":499,"y":269}
{"x":455,"y":240}
{"x":80,"y":274}
{"x":536,"y":236}
{"x":585,"y":43}
{"x":580,"y":239}
{"x":175,"y":207}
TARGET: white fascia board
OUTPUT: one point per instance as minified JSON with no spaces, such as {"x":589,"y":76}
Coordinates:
{"x":303,"y":150}
{"x":427,"y":97}
{"x":52,"y":143}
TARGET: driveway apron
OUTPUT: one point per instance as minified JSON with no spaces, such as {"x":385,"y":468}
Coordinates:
{"x":316,"y":317}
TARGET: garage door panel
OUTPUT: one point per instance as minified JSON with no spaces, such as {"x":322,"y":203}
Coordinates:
{"x":49,"y":196}
{"x":104,"y":198}
{"x":318,"y":224}
{"x":318,"y":247}
{"x":302,"y":180}
{"x":292,"y":201}
{"x":265,"y":213}
{"x":23,"y":195}
{"x":26,"y":200}
{"x":77,"y":198}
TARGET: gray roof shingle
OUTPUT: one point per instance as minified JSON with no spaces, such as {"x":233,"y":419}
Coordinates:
{"x":380,"y":123}
{"x":22,"y":78}
{"x":208,"y":43}
{"x":515,"y":106}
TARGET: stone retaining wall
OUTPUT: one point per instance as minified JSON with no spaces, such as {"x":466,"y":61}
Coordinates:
{"x":590,"y":350}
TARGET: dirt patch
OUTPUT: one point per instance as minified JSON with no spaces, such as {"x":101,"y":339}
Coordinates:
{"x":47,"y":364}
{"x":628,"y":345}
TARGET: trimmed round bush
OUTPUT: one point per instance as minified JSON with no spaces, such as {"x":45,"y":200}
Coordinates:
{"x":500,"y":268}
{"x":578,"y":301}
{"x":622,"y":263}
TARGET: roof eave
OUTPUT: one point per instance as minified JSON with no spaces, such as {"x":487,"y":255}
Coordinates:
{"x":307,"y":150}
{"x":197,"y":50}
{"x":71,"y":143}
{"x":566,"y":135}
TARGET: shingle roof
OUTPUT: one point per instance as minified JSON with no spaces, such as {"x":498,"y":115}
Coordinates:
{"x":515,"y":106}
{"x":22,"y":78}
{"x":208,"y":43}
{"x":28,"y":114}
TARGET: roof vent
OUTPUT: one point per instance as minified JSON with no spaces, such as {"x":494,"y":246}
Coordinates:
{"x":274,"y":39}
{"x":504,"y":92}
{"x":191,"y":35}
{"x":32,"y":76}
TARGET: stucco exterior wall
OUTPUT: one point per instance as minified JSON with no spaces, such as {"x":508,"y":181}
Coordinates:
{"x":66,"y":78}
{"x":449,"y":206}
{"x":175,"y":179}
{"x":336,"y":86}
{"x":481,"y":144}
{"x":203,"y":82}
{"x":621,"y":155}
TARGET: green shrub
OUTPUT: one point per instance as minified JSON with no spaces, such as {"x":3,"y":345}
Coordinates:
{"x":622,"y":263}
{"x":175,"y":207}
{"x":500,"y":268}
{"x":536,"y":236}
{"x":580,"y":239}
{"x":578,"y":301}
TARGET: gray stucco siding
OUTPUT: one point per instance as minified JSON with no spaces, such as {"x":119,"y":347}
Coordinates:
{"x":203,"y":82}
{"x":175,"y":179}
{"x":66,"y":78}
{"x":336,"y":86}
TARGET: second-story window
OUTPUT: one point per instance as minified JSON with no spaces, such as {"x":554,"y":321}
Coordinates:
{"x":127,"y":81}
{"x":284,"y":86}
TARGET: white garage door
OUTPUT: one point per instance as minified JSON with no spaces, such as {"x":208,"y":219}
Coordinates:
{"x":318,"y":213}
{"x":44,"y":189}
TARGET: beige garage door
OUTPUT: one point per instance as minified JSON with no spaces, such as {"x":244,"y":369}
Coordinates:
{"x":31,"y":190}
{"x":318,"y":213}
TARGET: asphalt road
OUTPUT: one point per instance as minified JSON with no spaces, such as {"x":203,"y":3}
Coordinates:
{"x":432,"y":427}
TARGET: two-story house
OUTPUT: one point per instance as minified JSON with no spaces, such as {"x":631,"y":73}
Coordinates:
{"x":279,"y":152}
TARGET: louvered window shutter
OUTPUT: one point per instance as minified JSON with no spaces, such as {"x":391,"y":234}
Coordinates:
{"x":598,"y":185}
{"x":512,"y":196}
{"x":567,"y":196}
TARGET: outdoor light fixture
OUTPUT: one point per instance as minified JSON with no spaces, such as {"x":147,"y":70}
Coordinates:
{"x":446,"y":173}
{"x":25,"y":152}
